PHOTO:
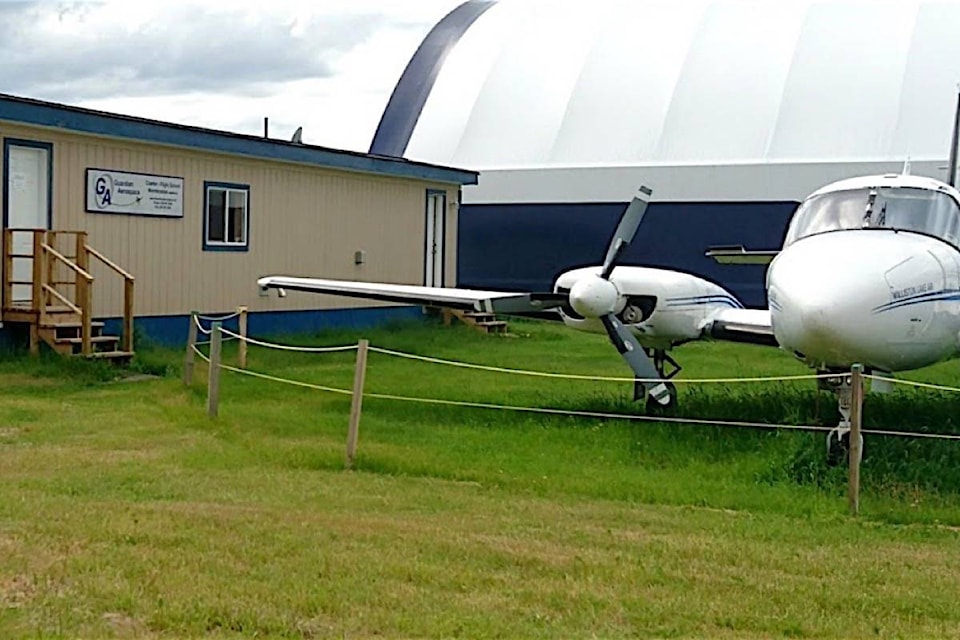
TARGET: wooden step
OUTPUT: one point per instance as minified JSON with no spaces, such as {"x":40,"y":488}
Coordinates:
{"x":119,"y":357}
{"x":479,"y":316}
{"x":480,"y":320}
{"x":71,"y":329}
{"x":93,"y":340}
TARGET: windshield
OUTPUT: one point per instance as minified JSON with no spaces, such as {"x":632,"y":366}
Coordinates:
{"x":910,"y":209}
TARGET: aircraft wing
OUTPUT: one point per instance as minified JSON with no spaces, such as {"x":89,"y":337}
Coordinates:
{"x":454,"y":298}
{"x":743,"y":325}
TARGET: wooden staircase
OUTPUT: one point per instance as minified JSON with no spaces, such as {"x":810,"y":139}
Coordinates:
{"x":484,"y":322}
{"x":47,"y":285}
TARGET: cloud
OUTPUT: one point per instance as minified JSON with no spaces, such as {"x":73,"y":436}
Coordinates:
{"x":328,"y":66}
{"x":71,"y":51}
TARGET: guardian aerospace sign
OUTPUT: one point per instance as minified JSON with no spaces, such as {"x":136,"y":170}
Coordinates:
{"x":134,"y":193}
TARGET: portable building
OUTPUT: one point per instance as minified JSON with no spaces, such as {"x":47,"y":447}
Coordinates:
{"x":195,"y":216}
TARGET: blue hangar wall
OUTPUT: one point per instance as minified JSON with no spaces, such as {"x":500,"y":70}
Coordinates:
{"x":525,"y":246}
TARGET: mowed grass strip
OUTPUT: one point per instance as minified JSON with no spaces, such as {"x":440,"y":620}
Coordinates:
{"x":126,"y":512}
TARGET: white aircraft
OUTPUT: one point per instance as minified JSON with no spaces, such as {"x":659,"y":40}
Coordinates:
{"x":869,"y":273}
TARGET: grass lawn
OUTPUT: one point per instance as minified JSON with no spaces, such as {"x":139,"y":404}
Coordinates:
{"x":126,"y":512}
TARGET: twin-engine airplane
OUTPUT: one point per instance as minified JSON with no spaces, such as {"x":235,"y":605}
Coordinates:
{"x":869,"y":273}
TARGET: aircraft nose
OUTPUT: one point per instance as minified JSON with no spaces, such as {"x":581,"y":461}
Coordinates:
{"x":822,"y":299}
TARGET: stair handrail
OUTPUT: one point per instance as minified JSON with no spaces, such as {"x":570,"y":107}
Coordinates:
{"x":84,"y":282}
{"x":128,"y":280}
{"x":108,"y":262}
{"x":65,"y":260}
{"x":62,"y":298}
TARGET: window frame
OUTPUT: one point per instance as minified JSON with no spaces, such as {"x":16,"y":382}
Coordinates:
{"x":226,"y":187}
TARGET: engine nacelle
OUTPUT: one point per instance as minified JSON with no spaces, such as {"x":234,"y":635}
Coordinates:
{"x":663,"y":308}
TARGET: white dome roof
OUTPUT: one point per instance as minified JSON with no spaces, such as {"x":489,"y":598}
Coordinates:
{"x":560,"y":83}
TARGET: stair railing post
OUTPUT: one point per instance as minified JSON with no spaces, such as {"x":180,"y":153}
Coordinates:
{"x":213,"y":377}
{"x":49,"y":268}
{"x":39,"y":256}
{"x":242,"y":347}
{"x":190,"y":357}
{"x":127,"y":344}
{"x":82,"y":259}
{"x":82,"y":255}
{"x":7,"y":268}
{"x":86,"y":314}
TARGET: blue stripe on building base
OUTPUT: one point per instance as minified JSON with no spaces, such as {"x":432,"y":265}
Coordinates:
{"x":171,"y":331}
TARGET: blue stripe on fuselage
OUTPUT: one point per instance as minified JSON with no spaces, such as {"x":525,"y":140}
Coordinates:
{"x":930,"y":296}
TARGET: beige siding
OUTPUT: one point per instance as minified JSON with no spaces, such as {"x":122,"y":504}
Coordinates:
{"x":303,"y":221}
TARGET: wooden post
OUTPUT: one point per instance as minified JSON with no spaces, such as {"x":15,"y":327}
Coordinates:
{"x":39,"y":254}
{"x":50,"y":267}
{"x":84,"y":294}
{"x":242,"y":347}
{"x":86,"y":304}
{"x":127,"y":344}
{"x":190,"y":357}
{"x":359,"y":375}
{"x":213,"y":377}
{"x":856,"y":422}
{"x":7,"y":268}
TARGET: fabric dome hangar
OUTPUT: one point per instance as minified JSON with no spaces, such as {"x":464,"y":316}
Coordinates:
{"x":731,"y":110}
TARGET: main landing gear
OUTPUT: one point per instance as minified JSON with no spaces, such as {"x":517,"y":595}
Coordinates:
{"x":667,"y":368}
{"x":838,"y":438}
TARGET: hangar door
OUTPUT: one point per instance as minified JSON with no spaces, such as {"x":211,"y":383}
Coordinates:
{"x":27,"y":177}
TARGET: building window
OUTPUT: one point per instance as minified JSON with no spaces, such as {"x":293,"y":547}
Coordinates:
{"x":226,"y":216}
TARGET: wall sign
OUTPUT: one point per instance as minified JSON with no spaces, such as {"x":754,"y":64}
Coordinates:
{"x":134,"y":193}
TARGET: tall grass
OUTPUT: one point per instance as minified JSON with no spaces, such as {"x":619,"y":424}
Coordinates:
{"x":735,"y":467}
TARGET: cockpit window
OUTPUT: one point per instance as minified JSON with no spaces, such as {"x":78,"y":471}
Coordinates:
{"x":930,"y":212}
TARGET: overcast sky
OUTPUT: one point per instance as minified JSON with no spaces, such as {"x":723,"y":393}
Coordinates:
{"x":327,"y":65}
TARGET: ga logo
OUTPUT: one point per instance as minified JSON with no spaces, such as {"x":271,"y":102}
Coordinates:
{"x":104,"y":191}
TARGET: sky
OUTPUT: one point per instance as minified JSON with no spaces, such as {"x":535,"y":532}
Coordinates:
{"x":327,"y":65}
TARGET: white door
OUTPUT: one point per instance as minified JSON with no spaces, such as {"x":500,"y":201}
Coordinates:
{"x":28,"y":207}
{"x":436,"y":228}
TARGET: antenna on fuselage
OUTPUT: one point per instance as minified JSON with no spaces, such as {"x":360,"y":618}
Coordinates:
{"x":954,"y":141}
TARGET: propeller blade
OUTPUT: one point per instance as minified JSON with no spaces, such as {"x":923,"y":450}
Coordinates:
{"x":631,"y":351}
{"x":627,"y":228}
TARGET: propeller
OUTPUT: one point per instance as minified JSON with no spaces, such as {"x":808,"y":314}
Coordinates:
{"x":596,"y":296}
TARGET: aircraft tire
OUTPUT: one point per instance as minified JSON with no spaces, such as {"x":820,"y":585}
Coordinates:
{"x":654,"y":407}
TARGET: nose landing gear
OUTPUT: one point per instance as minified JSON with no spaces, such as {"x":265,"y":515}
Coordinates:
{"x":667,"y":368}
{"x":838,"y":438}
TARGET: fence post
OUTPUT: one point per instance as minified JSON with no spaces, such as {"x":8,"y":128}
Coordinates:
{"x":242,"y":348}
{"x":856,"y":422}
{"x":356,"y":401}
{"x":213,"y":377}
{"x":190,"y":357}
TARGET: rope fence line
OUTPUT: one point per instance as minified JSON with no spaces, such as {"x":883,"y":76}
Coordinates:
{"x":911,"y":383}
{"x":522,"y":372}
{"x":851,"y":395}
{"x":574,"y":413}
{"x":573,"y":376}
{"x":235,"y":314}
{"x":286,"y":347}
